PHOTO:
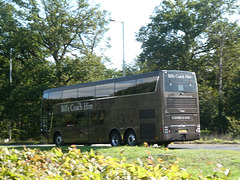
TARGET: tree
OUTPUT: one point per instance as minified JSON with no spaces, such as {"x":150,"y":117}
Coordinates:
{"x":63,"y":29}
{"x":33,"y":34}
{"x":231,"y":88}
{"x":173,"y":39}
{"x":232,"y":105}
{"x":223,"y":37}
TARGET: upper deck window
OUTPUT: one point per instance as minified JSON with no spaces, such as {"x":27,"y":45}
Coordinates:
{"x":146,"y":85}
{"x":55,"y":95}
{"x":104,"y":90}
{"x":45,"y":96}
{"x":180,"y":82}
{"x":125,"y":88}
{"x":85,"y":93}
{"x":70,"y":94}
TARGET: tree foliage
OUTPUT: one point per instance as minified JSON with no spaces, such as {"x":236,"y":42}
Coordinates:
{"x":173,"y":39}
{"x":51,"y":43}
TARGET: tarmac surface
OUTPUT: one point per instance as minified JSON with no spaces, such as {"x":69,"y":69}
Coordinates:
{"x":230,"y":147}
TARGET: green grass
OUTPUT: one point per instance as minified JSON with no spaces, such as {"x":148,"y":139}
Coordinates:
{"x":196,"y":162}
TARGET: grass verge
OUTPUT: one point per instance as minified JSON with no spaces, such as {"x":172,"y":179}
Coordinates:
{"x":196,"y":162}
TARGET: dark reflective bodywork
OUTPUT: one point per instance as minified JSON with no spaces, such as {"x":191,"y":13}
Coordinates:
{"x":157,"y":107}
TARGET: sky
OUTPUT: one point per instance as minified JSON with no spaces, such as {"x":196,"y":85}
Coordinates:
{"x":134,"y":14}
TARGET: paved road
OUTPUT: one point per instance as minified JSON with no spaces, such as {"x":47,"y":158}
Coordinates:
{"x":231,"y":147}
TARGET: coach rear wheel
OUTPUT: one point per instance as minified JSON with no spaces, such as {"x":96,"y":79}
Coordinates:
{"x":131,"y":138}
{"x":58,"y":140}
{"x":115,"y":138}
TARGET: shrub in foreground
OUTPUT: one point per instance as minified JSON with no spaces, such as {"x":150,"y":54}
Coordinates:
{"x":54,"y":164}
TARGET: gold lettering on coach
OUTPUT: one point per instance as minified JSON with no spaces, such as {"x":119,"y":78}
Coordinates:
{"x":76,"y":107}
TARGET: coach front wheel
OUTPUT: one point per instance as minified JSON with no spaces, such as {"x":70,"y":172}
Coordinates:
{"x":58,"y":140}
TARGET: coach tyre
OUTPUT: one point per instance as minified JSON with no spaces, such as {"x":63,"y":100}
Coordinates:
{"x":131,"y":138}
{"x":58,"y":140}
{"x":115,"y":138}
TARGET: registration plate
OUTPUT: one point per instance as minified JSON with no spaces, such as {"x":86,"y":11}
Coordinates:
{"x":182,"y":131}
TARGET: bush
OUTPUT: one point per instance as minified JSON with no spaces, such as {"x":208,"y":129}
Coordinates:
{"x":54,"y":164}
{"x":234,"y":126}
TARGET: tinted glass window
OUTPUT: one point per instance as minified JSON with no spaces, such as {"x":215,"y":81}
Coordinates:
{"x":54,"y":98}
{"x":105,"y":90}
{"x":55,"y":95}
{"x":86,"y":93}
{"x":57,"y":120}
{"x":70,"y":94}
{"x":146,"y":85}
{"x":68,"y":120}
{"x":45,"y":125}
{"x":96,"y":117}
{"x":180,"y":82}
{"x":81,"y":119}
{"x":93,"y":118}
{"x":125,"y":88}
{"x":45,"y":104}
{"x":45,"y":96}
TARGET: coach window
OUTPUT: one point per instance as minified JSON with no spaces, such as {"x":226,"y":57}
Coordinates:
{"x":68,"y":120}
{"x":81,"y":118}
{"x":93,"y":118}
{"x":96,"y":117}
{"x":125,"y":88}
{"x":45,"y":96}
{"x":104,"y":90}
{"x":69,"y":95}
{"x":85,"y":93}
{"x":45,"y":103}
{"x":146,"y":85}
{"x":55,"y":97}
{"x":101,"y":115}
{"x":57,"y":120}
